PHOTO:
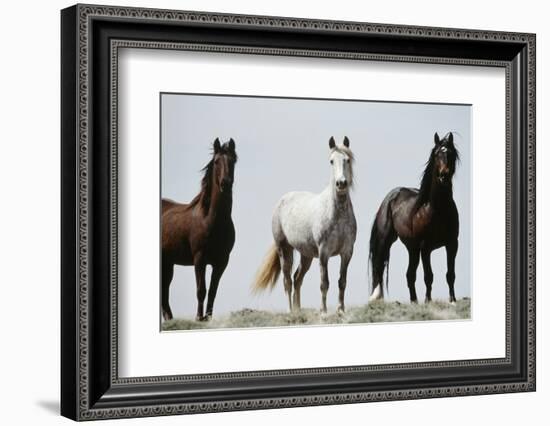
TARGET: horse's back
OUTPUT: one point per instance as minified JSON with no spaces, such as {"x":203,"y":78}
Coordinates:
{"x":296,"y":199}
{"x":305,"y":221}
{"x":411,"y":220}
{"x":295,"y":206}
{"x":167,"y":204}
{"x":400,"y":198}
{"x":176,"y":225}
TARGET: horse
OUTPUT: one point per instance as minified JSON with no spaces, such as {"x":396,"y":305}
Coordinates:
{"x":201,"y":233}
{"x":316,"y":225}
{"x":424,"y":219}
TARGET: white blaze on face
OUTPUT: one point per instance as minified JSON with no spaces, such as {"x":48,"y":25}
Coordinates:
{"x":341,"y":172}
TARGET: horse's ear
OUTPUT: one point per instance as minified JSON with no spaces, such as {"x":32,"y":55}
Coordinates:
{"x":450,"y":137}
{"x":346,"y":142}
{"x":331,"y":142}
{"x":231,"y":145}
{"x":217,"y":146}
{"x":436,"y":139}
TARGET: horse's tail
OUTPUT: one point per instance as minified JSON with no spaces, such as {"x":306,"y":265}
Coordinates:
{"x":378,"y":256}
{"x":382,"y":237}
{"x":269,"y":272}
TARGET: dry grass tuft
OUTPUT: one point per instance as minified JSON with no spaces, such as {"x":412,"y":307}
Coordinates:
{"x":374,"y":312}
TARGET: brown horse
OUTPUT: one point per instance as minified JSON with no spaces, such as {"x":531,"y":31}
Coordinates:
{"x":201,"y":233}
{"x":424,"y":219}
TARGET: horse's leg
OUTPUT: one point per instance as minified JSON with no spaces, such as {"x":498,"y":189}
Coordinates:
{"x":217,"y":271}
{"x":451,"y":249}
{"x":167,"y":274}
{"x":200,"y":271}
{"x":305,"y":263}
{"x":286,"y":255}
{"x":414,"y":258}
{"x":344,"y":262}
{"x":428,"y":273}
{"x":323,"y":262}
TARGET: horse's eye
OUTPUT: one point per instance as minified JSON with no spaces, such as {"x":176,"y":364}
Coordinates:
{"x":331,"y":162}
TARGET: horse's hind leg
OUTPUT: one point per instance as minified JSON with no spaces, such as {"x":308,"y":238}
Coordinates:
{"x":451,"y":249}
{"x":323,"y":263}
{"x":167,"y":274}
{"x":286,"y":254}
{"x":305,"y":263}
{"x":428,"y":273}
{"x":414,"y":258}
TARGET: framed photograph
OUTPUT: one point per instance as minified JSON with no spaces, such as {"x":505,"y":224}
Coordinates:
{"x":263,"y":212}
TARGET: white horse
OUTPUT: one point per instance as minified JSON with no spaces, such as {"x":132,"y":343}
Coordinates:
{"x":316,"y":225}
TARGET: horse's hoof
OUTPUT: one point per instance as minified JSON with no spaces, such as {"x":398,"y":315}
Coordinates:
{"x":340,"y":311}
{"x":376,"y":294}
{"x":200,"y":318}
{"x":427,"y":300}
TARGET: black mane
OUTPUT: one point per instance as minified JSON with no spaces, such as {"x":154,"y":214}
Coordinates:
{"x":205,"y":193}
{"x":427,"y":175}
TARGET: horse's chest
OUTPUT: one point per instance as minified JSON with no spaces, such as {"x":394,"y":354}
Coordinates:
{"x":439,"y":233}
{"x":338,"y":235}
{"x":216,"y":241}
{"x":434,"y":230}
{"x":422,"y":220}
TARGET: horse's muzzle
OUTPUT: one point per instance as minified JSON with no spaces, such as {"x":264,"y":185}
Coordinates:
{"x":341,"y":184}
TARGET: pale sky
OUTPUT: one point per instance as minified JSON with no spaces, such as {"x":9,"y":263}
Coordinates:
{"x":282,"y":146}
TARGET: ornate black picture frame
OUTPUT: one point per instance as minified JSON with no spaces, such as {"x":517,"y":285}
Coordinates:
{"x":90,"y":385}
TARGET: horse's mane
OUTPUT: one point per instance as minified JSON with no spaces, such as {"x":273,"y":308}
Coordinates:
{"x":427,"y":175}
{"x":206,"y":187}
{"x":426,"y":181}
{"x":346,"y":151}
{"x":205,"y":194}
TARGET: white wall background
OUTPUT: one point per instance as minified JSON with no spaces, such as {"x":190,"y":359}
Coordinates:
{"x":29,"y":225}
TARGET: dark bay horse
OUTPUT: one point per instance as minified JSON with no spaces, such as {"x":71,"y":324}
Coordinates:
{"x":423,"y":219}
{"x":201,"y":233}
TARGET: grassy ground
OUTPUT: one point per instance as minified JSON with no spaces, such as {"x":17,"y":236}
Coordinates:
{"x":373,"y":312}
